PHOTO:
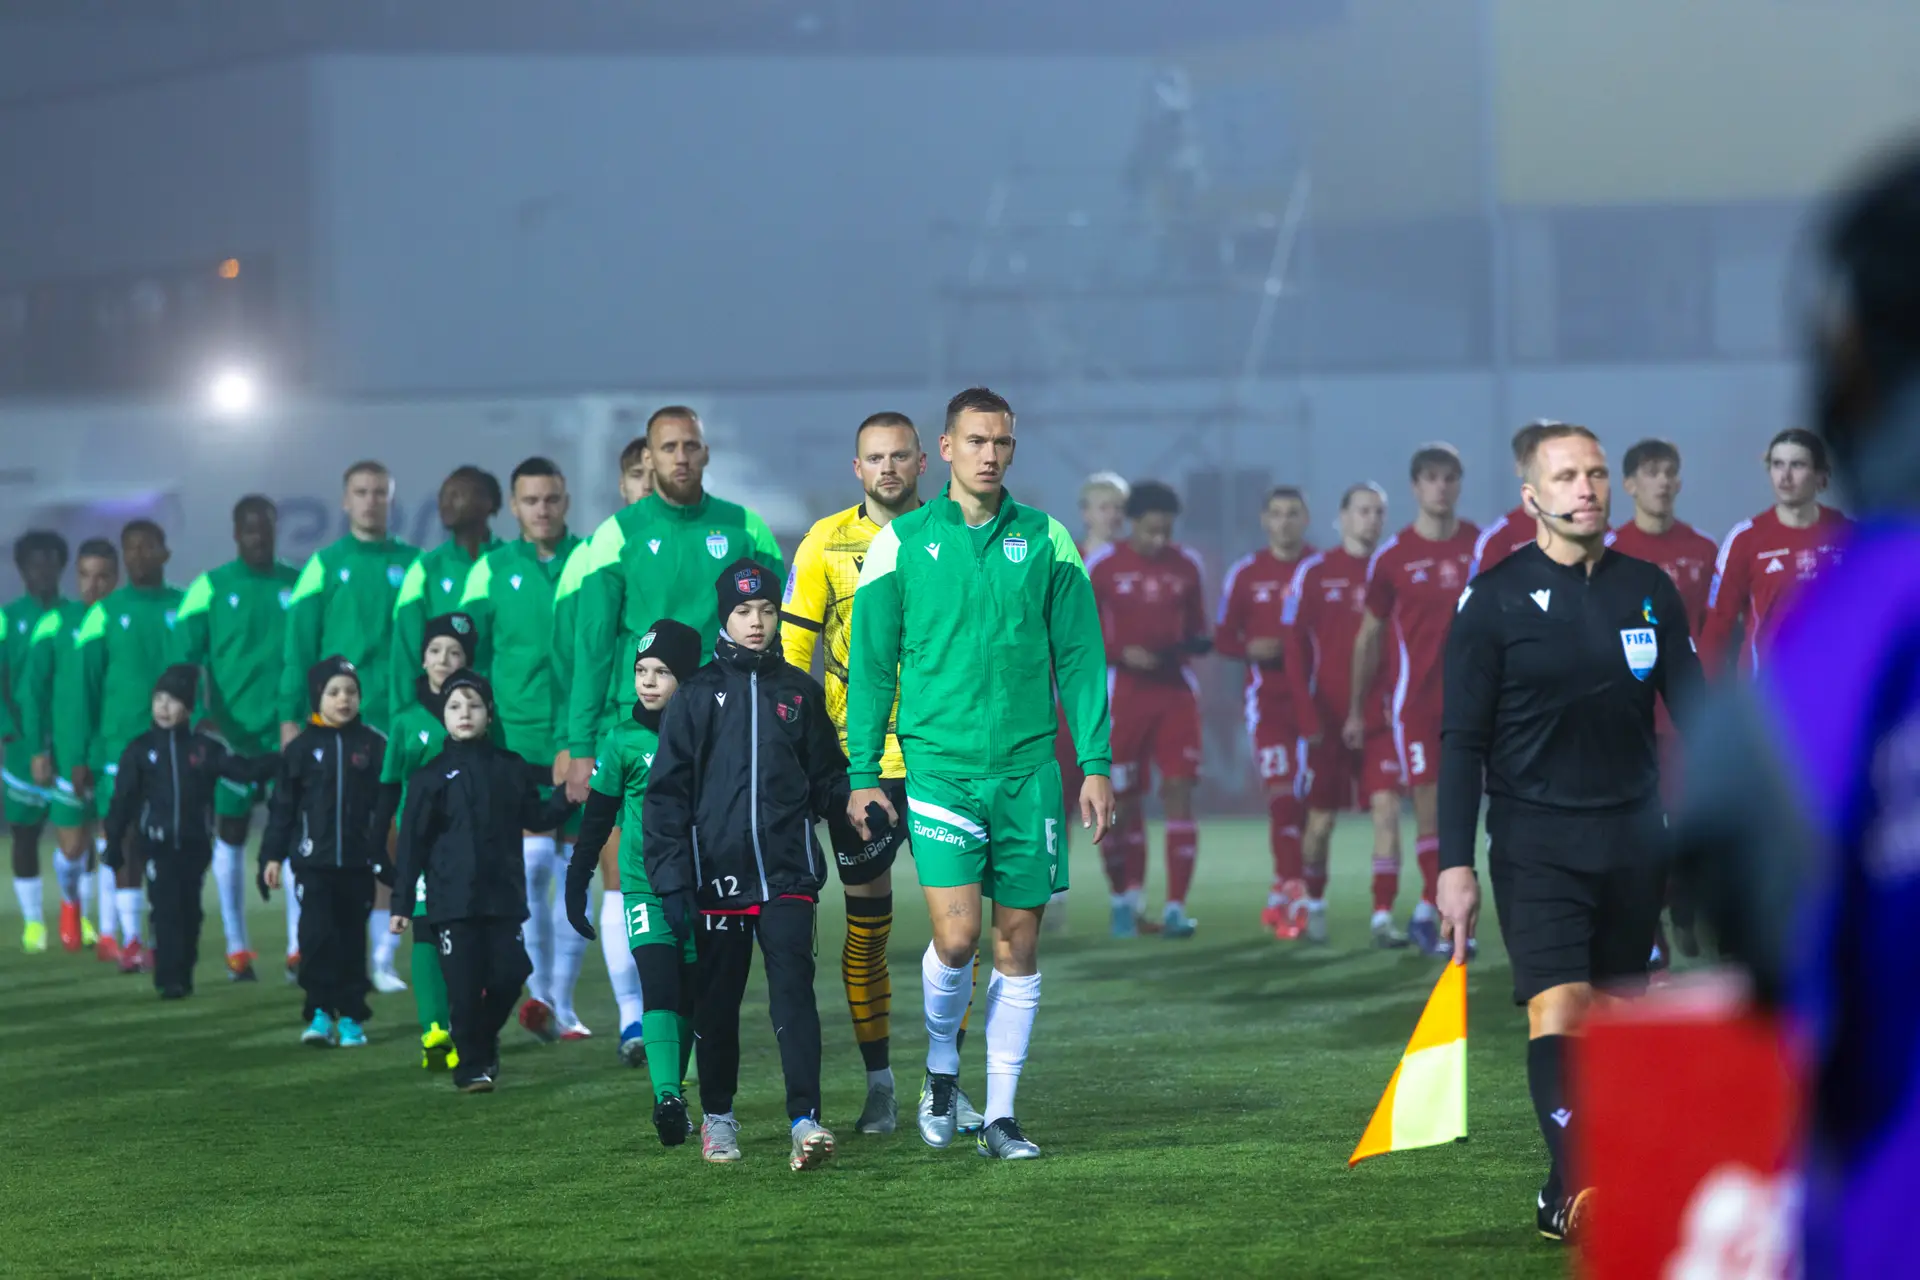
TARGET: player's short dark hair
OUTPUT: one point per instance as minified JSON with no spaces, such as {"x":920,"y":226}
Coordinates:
{"x":672,"y":411}
{"x":1438,"y":456}
{"x":489,"y":483}
{"x":1280,"y":491}
{"x":885,"y":418}
{"x":976,"y":400}
{"x":537,"y":466}
{"x":1646,"y":452}
{"x":255,"y":502}
{"x":1151,"y":497}
{"x":366,"y":466}
{"x":636,"y":449}
{"x":1813,"y":444}
{"x":39,"y":542}
{"x":141,"y":524}
{"x":1359,"y":487}
{"x":98,"y":549}
{"x":1555,"y":431}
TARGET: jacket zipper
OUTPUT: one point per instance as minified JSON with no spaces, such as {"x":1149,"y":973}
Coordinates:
{"x":173,"y":759}
{"x":339,"y":800}
{"x":983,"y":595}
{"x":753,"y":778}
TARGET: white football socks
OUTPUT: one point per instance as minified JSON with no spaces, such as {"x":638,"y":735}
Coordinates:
{"x":127,"y":904}
{"x":569,"y":948}
{"x":536,"y":852}
{"x":621,"y":970}
{"x":230,"y":885}
{"x":291,"y":892}
{"x":72,"y":875}
{"x":1011,"y":1005}
{"x":385,"y":940}
{"x":27,"y":893}
{"x":105,"y":887}
{"x":946,"y":992}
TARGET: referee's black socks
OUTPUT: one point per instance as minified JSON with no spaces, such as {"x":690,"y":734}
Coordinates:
{"x":1547,"y":1082}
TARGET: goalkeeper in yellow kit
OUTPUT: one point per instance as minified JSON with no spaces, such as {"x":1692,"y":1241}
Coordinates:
{"x":819,"y":604}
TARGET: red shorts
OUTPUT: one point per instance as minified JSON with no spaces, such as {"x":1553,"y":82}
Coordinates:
{"x":1155,"y":726}
{"x":1416,"y":741}
{"x":1340,"y":778}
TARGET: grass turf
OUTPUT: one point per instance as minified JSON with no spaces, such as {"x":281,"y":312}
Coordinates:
{"x":1196,"y":1101}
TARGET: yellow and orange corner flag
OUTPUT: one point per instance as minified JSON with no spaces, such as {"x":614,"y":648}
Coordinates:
{"x":1426,"y":1100}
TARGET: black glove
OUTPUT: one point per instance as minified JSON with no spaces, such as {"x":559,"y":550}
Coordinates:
{"x":680,"y":908}
{"x":579,"y":876}
{"x":113,"y":859}
{"x":260,"y":883}
{"x":383,"y":872}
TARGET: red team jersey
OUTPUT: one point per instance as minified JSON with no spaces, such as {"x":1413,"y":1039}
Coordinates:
{"x":1761,"y":565}
{"x":1413,"y":586}
{"x":1252,"y":607}
{"x":1157,"y":604}
{"x":1502,"y":538}
{"x":1325,"y":602}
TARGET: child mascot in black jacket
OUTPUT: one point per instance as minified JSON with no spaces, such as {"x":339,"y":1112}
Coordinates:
{"x":465,"y":811}
{"x":749,"y":759}
{"x":167,"y":780}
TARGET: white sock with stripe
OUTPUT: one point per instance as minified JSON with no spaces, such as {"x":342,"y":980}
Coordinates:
{"x":26,"y":891}
{"x":105,"y":887}
{"x":72,"y":875}
{"x":127,"y":904}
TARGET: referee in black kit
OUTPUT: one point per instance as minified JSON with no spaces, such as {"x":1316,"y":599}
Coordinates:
{"x":1552,"y":665}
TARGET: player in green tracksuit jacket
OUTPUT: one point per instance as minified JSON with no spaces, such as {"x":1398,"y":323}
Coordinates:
{"x":969,"y":609}
{"x":437,"y":581}
{"x":654,"y":559}
{"x":122,"y":646}
{"x":343,"y":604}
{"x":233,"y":624}
{"x":41,"y":558}
{"x":668,"y":652}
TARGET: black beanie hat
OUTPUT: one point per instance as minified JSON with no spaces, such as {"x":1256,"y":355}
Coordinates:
{"x":466,"y":678}
{"x":745,"y":580}
{"x":179,"y":681}
{"x":324,"y":670}
{"x":460,"y":626}
{"x":674,"y":643}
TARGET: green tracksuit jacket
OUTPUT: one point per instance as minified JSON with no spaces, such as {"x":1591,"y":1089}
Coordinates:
{"x":974,"y":627}
{"x":433,"y":585}
{"x":510,"y":594}
{"x":233,"y":623}
{"x":17,"y":622}
{"x":343,"y":604}
{"x":621,"y":770}
{"x":566,"y":628}
{"x":123,"y":649}
{"x":52,"y":711}
{"x":649,"y":561}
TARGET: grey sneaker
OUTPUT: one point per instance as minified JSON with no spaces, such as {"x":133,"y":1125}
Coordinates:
{"x":1386,"y":937}
{"x":967,"y":1117}
{"x":936,"y":1112}
{"x":882,"y":1111}
{"x":1316,"y":927}
{"x":720,"y":1139}
{"x":812,"y":1145}
{"x":1002,"y":1140}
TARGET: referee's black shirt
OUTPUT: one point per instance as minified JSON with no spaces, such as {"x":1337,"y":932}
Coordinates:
{"x":1551,"y":675}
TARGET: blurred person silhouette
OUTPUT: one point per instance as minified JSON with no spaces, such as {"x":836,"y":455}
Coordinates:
{"x":1802,"y":827}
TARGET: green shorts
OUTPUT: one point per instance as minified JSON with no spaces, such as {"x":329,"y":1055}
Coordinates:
{"x":26,"y":803}
{"x":237,"y":799}
{"x":66,"y":808}
{"x":1003,"y":834}
{"x":647,"y":925}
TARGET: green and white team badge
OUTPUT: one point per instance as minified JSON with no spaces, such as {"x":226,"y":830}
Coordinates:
{"x":716,"y":544}
{"x":646,"y":642}
{"x":286,"y":597}
{"x":460,"y":624}
{"x":1015,"y":546}
{"x":395,"y":576}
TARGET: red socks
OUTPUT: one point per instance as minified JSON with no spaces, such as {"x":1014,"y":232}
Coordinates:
{"x":1124,"y":855}
{"x":1386,"y":882}
{"x":1427,"y":850}
{"x":1285,"y":813}
{"x":1183,"y":843}
{"x":1316,"y":878}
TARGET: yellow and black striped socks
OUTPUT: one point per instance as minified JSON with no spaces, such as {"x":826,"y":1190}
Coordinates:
{"x":863,"y":970}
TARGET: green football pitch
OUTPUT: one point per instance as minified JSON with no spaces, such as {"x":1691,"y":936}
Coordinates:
{"x":1196,"y":1101}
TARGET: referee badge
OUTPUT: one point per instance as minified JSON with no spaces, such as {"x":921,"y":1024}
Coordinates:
{"x":1642,"y":649}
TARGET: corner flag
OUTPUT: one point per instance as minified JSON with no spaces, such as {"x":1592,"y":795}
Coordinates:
{"x":1426,"y":1100}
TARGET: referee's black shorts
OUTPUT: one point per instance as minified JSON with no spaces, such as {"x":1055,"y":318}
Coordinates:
{"x":864,"y":861}
{"x":1578,"y":896}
